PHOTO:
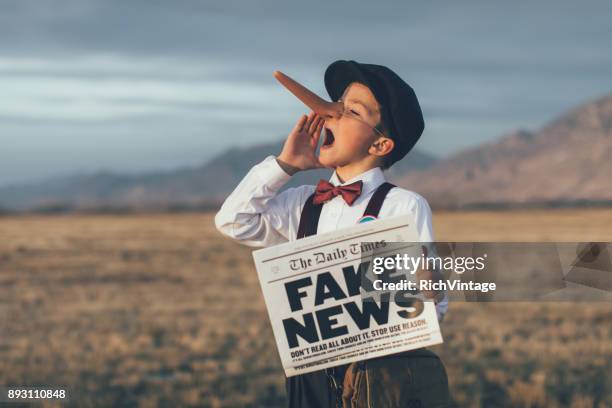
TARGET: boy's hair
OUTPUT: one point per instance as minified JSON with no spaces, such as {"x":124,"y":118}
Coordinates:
{"x":401,"y":114}
{"x":387,"y":160}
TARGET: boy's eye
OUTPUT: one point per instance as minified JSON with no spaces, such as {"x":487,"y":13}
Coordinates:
{"x":354,"y":112}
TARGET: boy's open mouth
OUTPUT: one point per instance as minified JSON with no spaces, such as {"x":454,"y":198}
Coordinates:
{"x":329,"y":138}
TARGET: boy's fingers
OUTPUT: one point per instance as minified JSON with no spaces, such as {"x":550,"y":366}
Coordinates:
{"x":425,"y":275}
{"x":311,"y":117}
{"x":300,"y":124}
{"x":320,"y":125}
{"x":317,"y":135}
{"x":313,"y":125}
{"x":318,"y":129}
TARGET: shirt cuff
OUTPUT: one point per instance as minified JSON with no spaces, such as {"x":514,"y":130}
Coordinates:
{"x":271,"y":173}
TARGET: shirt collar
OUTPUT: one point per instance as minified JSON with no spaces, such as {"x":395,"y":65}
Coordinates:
{"x":371,"y":179}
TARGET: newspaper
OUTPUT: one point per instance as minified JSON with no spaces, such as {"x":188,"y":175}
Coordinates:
{"x":323,"y":314}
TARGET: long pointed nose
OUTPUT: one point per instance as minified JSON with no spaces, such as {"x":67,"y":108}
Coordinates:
{"x":320,"y":106}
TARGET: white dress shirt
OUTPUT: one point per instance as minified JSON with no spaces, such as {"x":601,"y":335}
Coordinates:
{"x":256,"y":214}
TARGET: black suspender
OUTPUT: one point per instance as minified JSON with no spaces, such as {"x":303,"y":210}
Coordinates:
{"x":377,"y":199}
{"x":309,"y":219}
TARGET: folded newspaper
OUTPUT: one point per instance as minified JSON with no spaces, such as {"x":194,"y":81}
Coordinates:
{"x":323,"y":307}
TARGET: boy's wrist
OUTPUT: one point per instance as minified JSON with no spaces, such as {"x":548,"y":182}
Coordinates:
{"x":287,"y":168}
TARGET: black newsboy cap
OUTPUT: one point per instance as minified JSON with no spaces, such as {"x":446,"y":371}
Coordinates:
{"x":400,"y":110}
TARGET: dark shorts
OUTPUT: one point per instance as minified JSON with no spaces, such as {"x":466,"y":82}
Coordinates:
{"x":411,"y":379}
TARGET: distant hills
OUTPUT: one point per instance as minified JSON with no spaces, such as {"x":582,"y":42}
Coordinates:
{"x":567,"y":162}
{"x":185,"y":188}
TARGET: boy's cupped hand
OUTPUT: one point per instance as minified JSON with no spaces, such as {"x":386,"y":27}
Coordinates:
{"x":432,"y":275}
{"x":300,"y":149}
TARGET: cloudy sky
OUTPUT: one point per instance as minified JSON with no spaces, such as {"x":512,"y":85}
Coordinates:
{"x":134,"y":85}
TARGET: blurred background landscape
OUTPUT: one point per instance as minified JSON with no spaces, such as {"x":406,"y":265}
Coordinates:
{"x":124,"y":124}
{"x":161,"y":310}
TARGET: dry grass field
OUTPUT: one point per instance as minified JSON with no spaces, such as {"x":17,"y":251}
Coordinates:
{"x":160,"y":310}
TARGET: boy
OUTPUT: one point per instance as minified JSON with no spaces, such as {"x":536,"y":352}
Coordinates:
{"x":379,"y":122}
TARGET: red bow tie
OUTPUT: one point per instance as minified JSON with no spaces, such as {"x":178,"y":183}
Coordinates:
{"x":325,"y":191}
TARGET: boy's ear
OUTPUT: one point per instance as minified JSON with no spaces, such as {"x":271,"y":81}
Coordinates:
{"x":382,"y":146}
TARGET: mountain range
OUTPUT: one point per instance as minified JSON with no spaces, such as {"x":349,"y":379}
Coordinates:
{"x":186,"y":188}
{"x":566,"y":162}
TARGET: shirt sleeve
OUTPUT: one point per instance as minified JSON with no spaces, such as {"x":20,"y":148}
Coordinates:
{"x":404,"y":201}
{"x":256,"y":214}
